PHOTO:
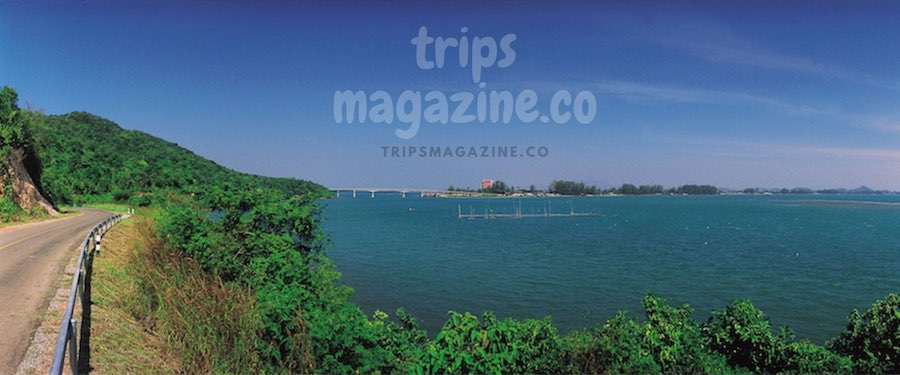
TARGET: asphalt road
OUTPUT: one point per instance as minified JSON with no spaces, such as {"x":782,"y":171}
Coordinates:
{"x":32,"y":257}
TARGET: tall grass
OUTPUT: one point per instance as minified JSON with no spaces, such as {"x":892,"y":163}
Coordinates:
{"x":206,"y":325}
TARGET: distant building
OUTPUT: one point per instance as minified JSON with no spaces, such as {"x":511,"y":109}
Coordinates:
{"x":487,"y":183}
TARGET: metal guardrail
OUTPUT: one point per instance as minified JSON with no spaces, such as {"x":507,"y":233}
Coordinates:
{"x":68,"y":331}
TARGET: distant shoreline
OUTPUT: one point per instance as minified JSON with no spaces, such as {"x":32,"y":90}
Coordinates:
{"x":501,"y":196}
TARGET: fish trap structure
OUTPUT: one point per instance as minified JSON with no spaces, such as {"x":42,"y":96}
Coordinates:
{"x":545,"y":212}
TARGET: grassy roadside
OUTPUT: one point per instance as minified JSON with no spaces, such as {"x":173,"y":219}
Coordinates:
{"x":156,"y":312}
{"x":120,"y":343}
{"x":63,"y":212}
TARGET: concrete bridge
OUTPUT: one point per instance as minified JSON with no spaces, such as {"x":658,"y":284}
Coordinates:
{"x":402,"y":191}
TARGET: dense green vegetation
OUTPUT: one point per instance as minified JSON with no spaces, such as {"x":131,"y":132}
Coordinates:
{"x":563,"y":187}
{"x":13,"y":136}
{"x":237,"y":281}
{"x":497,"y":187}
{"x":572,"y":188}
{"x":13,"y":133}
{"x":85,"y":158}
{"x":580,"y":188}
{"x":80,"y":158}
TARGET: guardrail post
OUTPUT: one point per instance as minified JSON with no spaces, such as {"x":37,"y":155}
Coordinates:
{"x":81,"y":282}
{"x":73,"y":346}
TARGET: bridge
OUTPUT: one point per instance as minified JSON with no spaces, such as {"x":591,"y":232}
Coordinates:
{"x":402,"y":191}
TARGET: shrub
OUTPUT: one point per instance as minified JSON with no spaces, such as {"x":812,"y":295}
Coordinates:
{"x":872,"y":339}
{"x":491,"y":346}
{"x":742,"y":334}
{"x":674,"y":340}
{"x":400,"y":341}
{"x":805,"y":357}
{"x":9,"y":210}
{"x":617,"y":347}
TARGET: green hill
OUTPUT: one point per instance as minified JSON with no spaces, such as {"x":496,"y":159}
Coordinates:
{"x":81,"y":158}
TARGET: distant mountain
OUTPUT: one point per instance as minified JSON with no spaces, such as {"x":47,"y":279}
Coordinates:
{"x":861,"y":190}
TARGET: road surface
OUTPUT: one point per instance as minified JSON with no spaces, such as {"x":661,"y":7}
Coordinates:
{"x":32,"y":258}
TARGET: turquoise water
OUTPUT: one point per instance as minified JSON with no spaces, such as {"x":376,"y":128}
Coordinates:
{"x":806,"y":261}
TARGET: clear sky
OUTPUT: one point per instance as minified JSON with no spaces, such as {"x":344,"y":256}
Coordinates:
{"x":735,"y":94}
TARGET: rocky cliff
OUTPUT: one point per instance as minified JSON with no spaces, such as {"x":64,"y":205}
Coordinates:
{"x":24,"y":192}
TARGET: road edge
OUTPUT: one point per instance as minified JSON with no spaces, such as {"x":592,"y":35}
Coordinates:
{"x":39,"y":355}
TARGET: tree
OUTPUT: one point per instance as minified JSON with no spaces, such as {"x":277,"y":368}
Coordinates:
{"x":13,"y":134}
{"x":571,"y":188}
{"x":628,"y":189}
{"x":499,"y":187}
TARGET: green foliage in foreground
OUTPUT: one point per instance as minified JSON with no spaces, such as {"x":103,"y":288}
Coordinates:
{"x":272,"y":244}
{"x":742,"y":333}
{"x":491,"y":346}
{"x":872,"y":339}
{"x":9,"y":210}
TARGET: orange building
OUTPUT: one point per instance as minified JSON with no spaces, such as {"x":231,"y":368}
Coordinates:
{"x":487,"y":183}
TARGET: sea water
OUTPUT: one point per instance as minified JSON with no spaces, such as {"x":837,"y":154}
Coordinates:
{"x":805,"y":260}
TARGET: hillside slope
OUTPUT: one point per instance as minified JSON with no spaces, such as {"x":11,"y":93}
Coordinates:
{"x":85,"y":158}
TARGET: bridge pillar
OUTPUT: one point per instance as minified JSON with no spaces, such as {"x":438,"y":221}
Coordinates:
{"x":354,"y":194}
{"x":373,"y":194}
{"x":337,"y":194}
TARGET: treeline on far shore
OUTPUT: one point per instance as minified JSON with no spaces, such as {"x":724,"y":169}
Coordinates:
{"x":579,"y":188}
{"x":563,"y":187}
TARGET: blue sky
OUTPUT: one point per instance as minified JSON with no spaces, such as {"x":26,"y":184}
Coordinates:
{"x":732,"y":94}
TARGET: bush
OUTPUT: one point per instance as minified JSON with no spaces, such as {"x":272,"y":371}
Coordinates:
{"x":9,"y":210}
{"x":618,"y":347}
{"x":466,"y":345}
{"x":675,"y":342}
{"x":742,"y":334}
{"x":668,"y":342}
{"x":400,"y":341}
{"x":872,"y":339}
{"x":805,"y":357}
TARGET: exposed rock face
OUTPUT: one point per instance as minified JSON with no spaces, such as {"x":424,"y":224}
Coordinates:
{"x":24,"y":191}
